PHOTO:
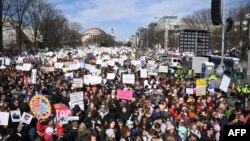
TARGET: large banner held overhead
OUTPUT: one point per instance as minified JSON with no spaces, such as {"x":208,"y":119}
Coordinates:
{"x":76,"y":99}
{"x":128,"y":78}
{"x":40,"y":106}
{"x":201,"y":85}
{"x":122,"y":94}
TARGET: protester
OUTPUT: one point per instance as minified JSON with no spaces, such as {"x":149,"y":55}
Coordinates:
{"x":108,"y":98}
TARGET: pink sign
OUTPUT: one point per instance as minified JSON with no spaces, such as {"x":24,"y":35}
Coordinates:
{"x":122,"y":94}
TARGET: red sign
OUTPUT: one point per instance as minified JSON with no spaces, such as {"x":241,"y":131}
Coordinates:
{"x":122,"y":94}
{"x":61,"y":110}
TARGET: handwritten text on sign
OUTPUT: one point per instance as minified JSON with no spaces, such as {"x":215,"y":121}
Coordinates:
{"x":127,"y":95}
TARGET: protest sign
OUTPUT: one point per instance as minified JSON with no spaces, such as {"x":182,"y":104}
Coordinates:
{"x":61,"y":110}
{"x":4,"y":120}
{"x":122,"y":94}
{"x":163,"y":69}
{"x":111,"y":63}
{"x":74,"y":66}
{"x":189,"y":91}
{"x":94,"y":80}
{"x":26,"y":67}
{"x":40,"y":106}
{"x":15,"y":116}
{"x":33,"y":76}
{"x":137,"y":64}
{"x":144,"y":73}
{"x":151,"y":64}
{"x":58,"y":65}
{"x":48,"y":69}
{"x":225,"y":83}
{"x":26,"y":118}
{"x":77,"y":82}
{"x":1,"y":61}
{"x":7,"y":61}
{"x":62,"y":120}
{"x":201,"y":85}
{"x":111,"y":76}
{"x":76,"y":99}
{"x":69,"y":76}
{"x":128,"y":78}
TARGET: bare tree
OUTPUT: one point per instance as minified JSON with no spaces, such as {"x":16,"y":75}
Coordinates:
{"x":199,"y":20}
{"x":36,"y":14}
{"x":5,"y":8}
{"x":20,"y":8}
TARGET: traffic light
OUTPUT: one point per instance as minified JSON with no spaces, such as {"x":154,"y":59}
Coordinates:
{"x":230,"y":24}
{"x":216,"y":12}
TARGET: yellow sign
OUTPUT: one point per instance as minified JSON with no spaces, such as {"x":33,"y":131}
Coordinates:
{"x":201,"y":82}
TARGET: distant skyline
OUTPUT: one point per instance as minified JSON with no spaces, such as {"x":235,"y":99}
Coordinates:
{"x":126,"y":16}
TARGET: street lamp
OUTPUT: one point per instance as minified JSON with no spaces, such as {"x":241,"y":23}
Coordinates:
{"x":246,"y":26}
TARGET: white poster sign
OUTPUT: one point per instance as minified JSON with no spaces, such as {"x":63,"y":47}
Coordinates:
{"x":128,"y":78}
{"x":7,"y":61}
{"x":163,"y":69}
{"x":189,"y":90}
{"x":144,"y":73}
{"x":58,"y":65}
{"x":33,"y":76}
{"x":76,"y":99}
{"x":77,"y":82}
{"x":15,"y":116}
{"x":26,"y":67}
{"x":94,"y":80}
{"x":4,"y":120}
{"x":111,"y":63}
{"x":111,"y":76}
{"x":225,"y":83}
{"x":26,"y":118}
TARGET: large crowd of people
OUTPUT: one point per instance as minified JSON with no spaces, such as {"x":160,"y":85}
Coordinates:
{"x":160,"y":108}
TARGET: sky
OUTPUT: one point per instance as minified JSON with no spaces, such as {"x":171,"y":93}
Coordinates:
{"x":126,"y":16}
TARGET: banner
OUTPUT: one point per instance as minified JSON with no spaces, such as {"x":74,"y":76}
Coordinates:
{"x":4,"y":120}
{"x":40,"y":106}
{"x":61,"y":110}
{"x":128,"y":78}
{"x":76,"y":99}
{"x":77,"y":82}
{"x":163,"y":69}
{"x":15,"y":116}
{"x":144,"y":73}
{"x":33,"y":76}
{"x":201,"y":85}
{"x":111,"y":76}
{"x":122,"y":94}
{"x":26,"y":118}
{"x":225,"y":83}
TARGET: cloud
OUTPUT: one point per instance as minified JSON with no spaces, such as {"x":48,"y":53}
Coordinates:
{"x":126,"y":15}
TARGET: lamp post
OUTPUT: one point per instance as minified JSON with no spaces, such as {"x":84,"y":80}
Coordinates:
{"x":246,"y":26}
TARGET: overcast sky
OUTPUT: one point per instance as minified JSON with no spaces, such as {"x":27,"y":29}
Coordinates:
{"x":125,"y":16}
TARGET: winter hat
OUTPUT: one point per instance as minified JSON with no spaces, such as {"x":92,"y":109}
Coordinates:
{"x":182,"y":129}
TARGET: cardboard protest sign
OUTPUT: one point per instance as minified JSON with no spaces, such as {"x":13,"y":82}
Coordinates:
{"x":26,"y":118}
{"x":61,"y":110}
{"x":111,"y":76}
{"x":48,"y":69}
{"x":58,"y":65}
{"x":189,"y":91}
{"x":4,"y":120}
{"x":76,"y":99}
{"x":94,"y":80}
{"x":15,"y":116}
{"x":225,"y":83}
{"x":40,"y":106}
{"x":33,"y":76}
{"x":163,"y":69}
{"x":144,"y":73}
{"x":122,"y":94}
{"x":201,"y":85}
{"x":78,"y":82}
{"x":128,"y":78}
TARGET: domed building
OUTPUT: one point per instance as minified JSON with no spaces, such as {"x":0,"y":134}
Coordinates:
{"x":92,"y":35}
